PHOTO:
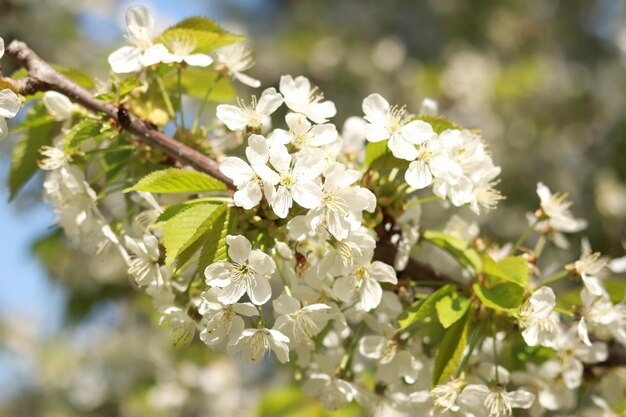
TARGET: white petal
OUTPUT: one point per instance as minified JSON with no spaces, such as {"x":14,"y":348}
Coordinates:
{"x":248,"y":195}
{"x":278,"y":343}
{"x":257,"y":152}
{"x":236,"y":169}
{"x":198,"y":60}
{"x":139,"y":23}
{"x":323,"y":134}
{"x":247,"y":80}
{"x":371,"y":294}
{"x":260,"y":291}
{"x":372,"y":347}
{"x":307,"y":194}
{"x":280,"y":158}
{"x":269,"y":102}
{"x":239,"y":248}
{"x":282,"y":202}
{"x":58,"y":105}
{"x":154,"y":54}
{"x":279,"y":137}
{"x":231,"y":116}
{"x":418,"y":175}
{"x":1,"y":47}
{"x":261,"y":263}
{"x":402,"y":149}
{"x":521,"y":399}
{"x":286,"y":304}
{"x":125,"y":59}
{"x":376,"y":109}
{"x":593,"y":285}
{"x":343,"y":289}
{"x":382,"y":272}
{"x":322,"y":111}
{"x":9,"y":103}
{"x":417,"y":131}
{"x":231,"y":293}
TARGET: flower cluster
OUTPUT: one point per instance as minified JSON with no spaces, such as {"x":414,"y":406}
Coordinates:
{"x":312,"y":253}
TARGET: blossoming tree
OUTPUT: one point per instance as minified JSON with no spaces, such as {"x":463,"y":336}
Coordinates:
{"x":302,"y":241}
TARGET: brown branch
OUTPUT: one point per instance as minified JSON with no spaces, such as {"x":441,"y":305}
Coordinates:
{"x":42,"y":77}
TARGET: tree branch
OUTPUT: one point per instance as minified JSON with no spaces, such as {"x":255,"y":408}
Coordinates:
{"x":42,"y":77}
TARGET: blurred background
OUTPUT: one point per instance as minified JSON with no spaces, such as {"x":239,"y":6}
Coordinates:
{"x":545,"y":80}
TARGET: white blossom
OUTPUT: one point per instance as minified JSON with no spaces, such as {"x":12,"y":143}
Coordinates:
{"x":246,"y":273}
{"x":386,"y":122}
{"x":222,"y":323}
{"x":301,"y":98}
{"x":144,"y":259}
{"x":303,"y":134}
{"x":496,"y":401}
{"x":255,"y":117}
{"x":58,"y":105}
{"x":9,"y":103}
{"x":253,"y":344}
{"x":235,"y":59}
{"x":182,"y":49}
{"x":142,"y":51}
{"x":538,"y":319}
{"x":251,"y":180}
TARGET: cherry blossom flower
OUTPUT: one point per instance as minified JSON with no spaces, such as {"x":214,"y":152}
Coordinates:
{"x":144,"y":259}
{"x":393,"y":362}
{"x":556,"y":216}
{"x":386,"y":122}
{"x":9,"y":103}
{"x":251,"y":180}
{"x":254,"y":117}
{"x":538,"y":319}
{"x":301,"y":98}
{"x":364,"y":279}
{"x":235,"y":59}
{"x":182,"y":49}
{"x":253,"y":344}
{"x":58,"y":105}
{"x":342,"y":202}
{"x":303,"y":134}
{"x":296,"y":182}
{"x":246,"y":273}
{"x":333,"y":391}
{"x":495,"y":401}
{"x":143,"y":52}
{"x":222,"y":323}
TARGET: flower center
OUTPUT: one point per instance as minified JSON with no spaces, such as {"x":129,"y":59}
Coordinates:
{"x":498,"y":403}
{"x":287,"y":180}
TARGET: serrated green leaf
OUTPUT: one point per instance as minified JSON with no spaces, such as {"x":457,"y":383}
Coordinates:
{"x":81,"y":132}
{"x":506,"y":296}
{"x":439,"y":124}
{"x":450,"y":350}
{"x":198,"y":82}
{"x":26,"y":154}
{"x":174,"y":180}
{"x":451,"y":308}
{"x":186,"y":227}
{"x":423,"y":308}
{"x":457,"y":247}
{"x":205,"y":33}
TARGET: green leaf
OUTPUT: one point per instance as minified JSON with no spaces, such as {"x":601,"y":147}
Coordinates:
{"x":174,"y":180}
{"x":457,"y":247}
{"x":185,"y":228}
{"x":451,"y":308}
{"x":198,"y":82}
{"x":214,"y":241}
{"x":128,"y":85}
{"x":373,"y":151}
{"x":81,"y":132}
{"x":513,"y":268}
{"x":205,"y":33}
{"x":450,"y":350}
{"x":26,"y":154}
{"x":506,"y":296}
{"x":439,"y":124}
{"x":423,"y":308}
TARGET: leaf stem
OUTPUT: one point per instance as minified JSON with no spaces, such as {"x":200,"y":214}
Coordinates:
{"x":180,"y":97}
{"x":205,"y":100}
{"x":166,"y":99}
{"x":525,"y":235}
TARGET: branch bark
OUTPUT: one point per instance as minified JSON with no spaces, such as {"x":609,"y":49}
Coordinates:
{"x":42,"y":77}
